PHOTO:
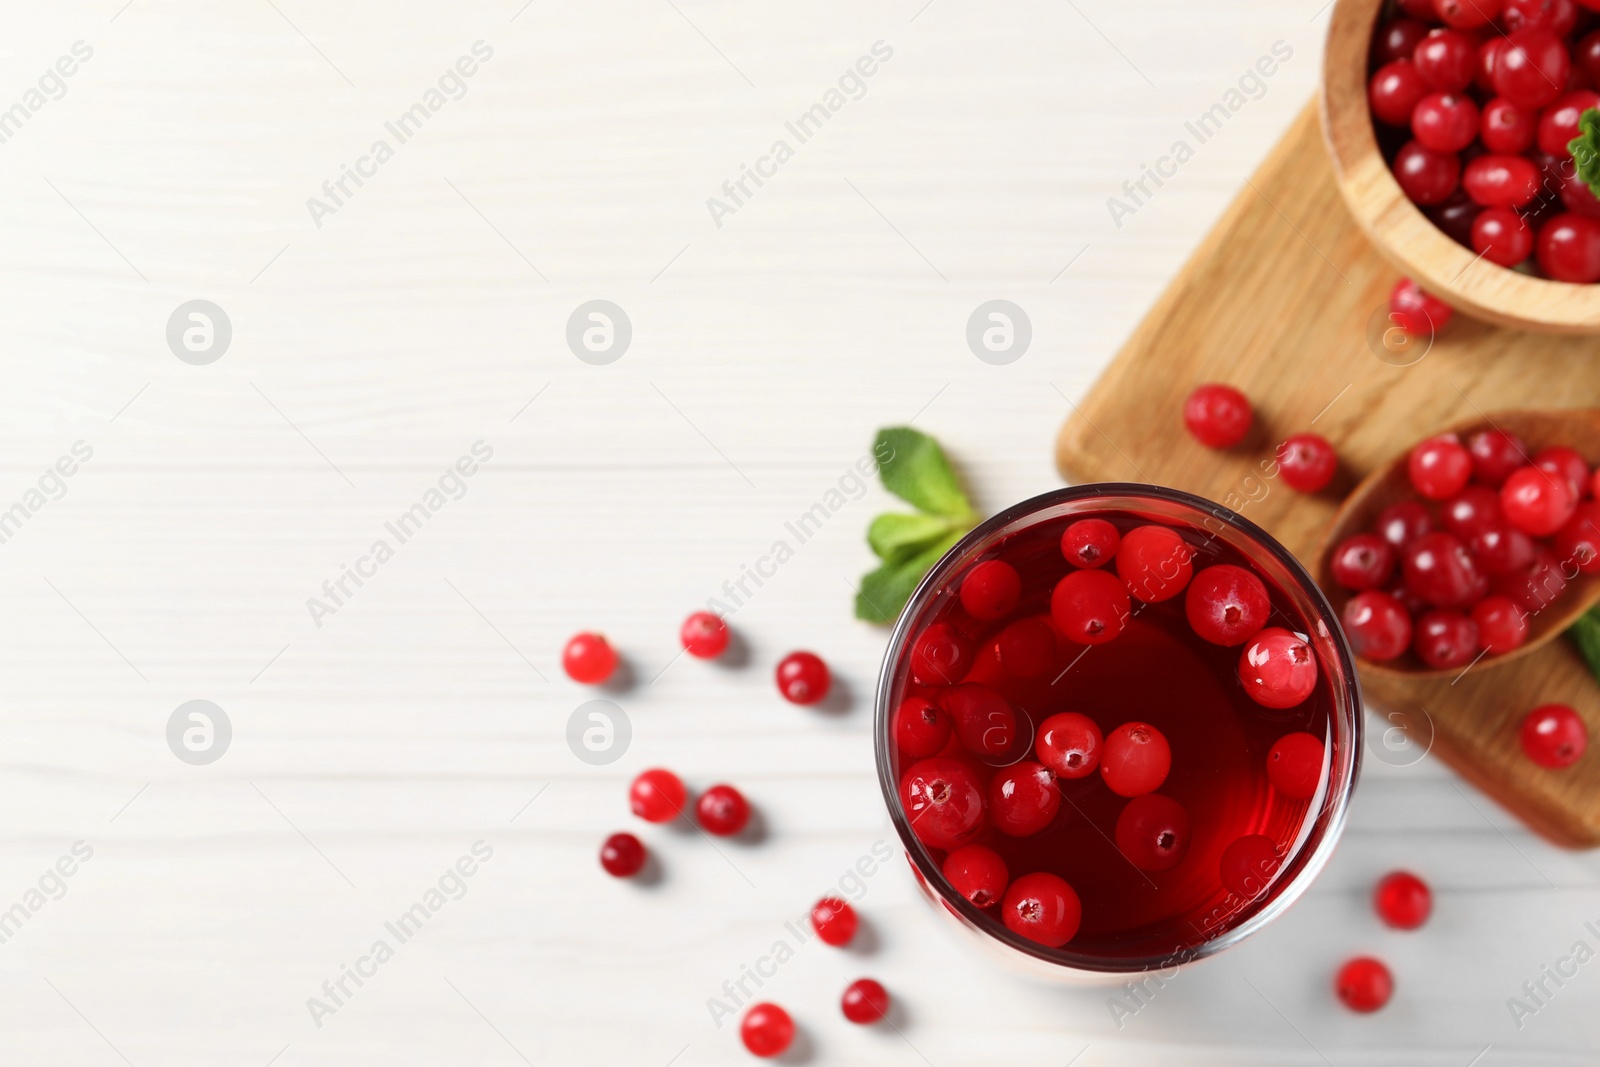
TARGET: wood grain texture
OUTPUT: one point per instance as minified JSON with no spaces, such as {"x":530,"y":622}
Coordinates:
{"x":1287,"y":300}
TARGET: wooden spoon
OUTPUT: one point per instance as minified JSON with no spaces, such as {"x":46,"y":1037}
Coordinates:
{"x":1578,"y":429}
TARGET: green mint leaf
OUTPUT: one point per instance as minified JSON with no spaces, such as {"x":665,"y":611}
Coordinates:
{"x":913,"y":467}
{"x":895,"y":537}
{"x":884,"y":592}
{"x":1585,"y":633}
{"x":1585,"y":149}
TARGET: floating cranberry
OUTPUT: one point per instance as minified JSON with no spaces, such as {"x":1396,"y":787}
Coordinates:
{"x":1425,"y":176}
{"x":622,"y":855}
{"x":657,"y":795}
{"x":978,"y":874}
{"x":943,"y":802}
{"x":1154,"y":561}
{"x":1135,"y":759}
{"x":940,"y":655}
{"x":1558,"y":124}
{"x":1445,"y":59}
{"x":722,"y":810}
{"x":864,"y":1001}
{"x":1471,"y":511}
{"x":1398,"y":39}
{"x":1091,"y":607}
{"x":1023,"y":799}
{"x":1537,"y":502}
{"x":1364,"y":984}
{"x":803,"y":678}
{"x":1294,"y":765}
{"x":1416,"y":312}
{"x":984,"y":720}
{"x":1445,"y":122}
{"x":1501,"y":181}
{"x":1091,"y":542}
{"x":1554,"y":736}
{"x":1362,"y":561}
{"x":1495,"y":454}
{"x":1069,"y":744}
{"x":1500,"y":548}
{"x":834,"y":921}
{"x":1502,"y":236}
{"x":1532,"y":67}
{"x":1439,"y":569}
{"x":1403,"y":522}
{"x":1467,"y":14}
{"x":1502,"y":624}
{"x":704,"y":635}
{"x":1445,"y":640}
{"x":766,"y":1030}
{"x":1394,"y":91}
{"x":1219,"y":415}
{"x":1378,"y":626}
{"x":1402,"y":900}
{"x":1507,"y":128}
{"x":588,"y":659}
{"x":1278,"y":668}
{"x":1307,"y":462}
{"x":1565,"y":463}
{"x":1042,"y":907}
{"x":990,"y":590}
{"x":1439,"y":467}
{"x":1579,"y":540}
{"x":921,"y":728}
{"x":1027,"y":648}
{"x":1227,"y":605}
{"x":1153,"y":832}
{"x":1248,"y":864}
{"x":1568,"y":248}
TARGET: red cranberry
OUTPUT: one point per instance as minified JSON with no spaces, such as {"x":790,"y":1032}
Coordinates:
{"x":1090,"y":607}
{"x":1307,"y":462}
{"x":1023,"y":799}
{"x":1445,"y":59}
{"x":622,"y":855}
{"x":704,"y":636}
{"x":1558,"y":124}
{"x":1495,"y":454}
{"x":1042,"y":907}
{"x":1135,"y":760}
{"x":1294,"y":765}
{"x":1219,"y":415}
{"x":1537,"y":502}
{"x":1153,"y":832}
{"x":1402,"y":900}
{"x":978,"y":874}
{"x":1439,"y":467}
{"x":990,"y":590}
{"x":1586,"y":55}
{"x":865,"y":1001}
{"x":1091,"y":542}
{"x":1248,"y":864}
{"x":1501,"y":181}
{"x":1394,"y":91}
{"x":834,"y":921}
{"x":1364,"y":984}
{"x":1500,"y":548}
{"x":1565,"y":463}
{"x":1579,"y":540}
{"x":1278,"y":668}
{"x":1419,"y":9}
{"x":1488,"y":59}
{"x":1403,"y":522}
{"x":941,"y":655}
{"x":1568,"y":248}
{"x":1532,"y":67}
{"x":803,"y":678}
{"x":1425,"y":176}
{"x":943,"y":802}
{"x":1445,"y":640}
{"x":1227,"y":605}
{"x":1439,"y":569}
{"x":1554,"y":736}
{"x":1455,"y":217}
{"x":766,"y":1030}
{"x":1027,"y":648}
{"x":1538,"y":584}
{"x":1378,"y":626}
{"x":1474,"y":509}
{"x":657,"y":795}
{"x":984,"y":720}
{"x":1415,"y":311}
{"x":1506,"y":128}
{"x":1362,"y":561}
{"x":1397,"y":39}
{"x":1445,"y":122}
{"x":921,"y":728}
{"x":722,"y":810}
{"x":1069,"y":744}
{"x":588,"y":659}
{"x":1559,"y":16}
{"x":1502,"y":236}
{"x":1502,"y":624}
{"x":1578,"y":198}
{"x":1154,"y":561}
{"x":1467,"y":14}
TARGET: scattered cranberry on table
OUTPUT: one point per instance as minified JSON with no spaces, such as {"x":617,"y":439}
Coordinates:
{"x":588,"y":658}
{"x":1402,"y":900}
{"x":803,"y":678}
{"x":722,"y":810}
{"x":1416,"y":312}
{"x":657,"y":795}
{"x":1218,"y":416}
{"x":766,"y":1030}
{"x":622,"y":855}
{"x":865,"y":1001}
{"x":1554,"y":736}
{"x":1307,"y":462}
{"x":1364,"y":984}
{"x":704,"y":635}
{"x":834,"y":921}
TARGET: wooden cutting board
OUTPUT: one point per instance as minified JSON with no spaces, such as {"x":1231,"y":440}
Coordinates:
{"x":1287,"y":301}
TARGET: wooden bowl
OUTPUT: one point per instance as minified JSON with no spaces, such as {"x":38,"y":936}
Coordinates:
{"x":1399,"y":230}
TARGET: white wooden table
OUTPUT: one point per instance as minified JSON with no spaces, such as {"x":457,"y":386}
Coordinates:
{"x":427,"y":312}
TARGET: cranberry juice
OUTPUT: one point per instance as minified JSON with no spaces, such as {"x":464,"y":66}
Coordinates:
{"x":1185,"y":802}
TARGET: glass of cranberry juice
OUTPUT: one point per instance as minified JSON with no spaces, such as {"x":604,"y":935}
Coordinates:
{"x":1120,"y":744}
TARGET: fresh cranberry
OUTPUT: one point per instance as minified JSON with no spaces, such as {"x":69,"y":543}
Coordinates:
{"x":1565,"y":463}
{"x":1421,"y":10}
{"x":984,"y":720}
{"x":1439,"y":467}
{"x":1307,"y":462}
{"x":1364,"y":984}
{"x":704,"y":636}
{"x":1445,"y":59}
{"x":1402,"y":900}
{"x":1135,"y":760}
{"x":1042,"y":907}
{"x":1090,"y":607}
{"x":1501,"y":180}
{"x":1027,"y":648}
{"x":1403,"y":522}
{"x":1559,"y":16}
{"x":1439,"y":569}
{"x":1455,"y":217}
{"x":1500,"y":548}
{"x":1558,"y":124}
{"x":864,"y":1001}
{"x":803,"y":678}
{"x":1445,"y":122}
{"x":1415,"y":311}
{"x":1227,"y":605}
{"x":1554,"y":736}
{"x":622,"y":855}
{"x":1248,"y":864}
{"x":766,"y":1030}
{"x":1153,"y":832}
{"x":1579,"y":540}
{"x":1445,"y":640}
{"x":1467,"y":14}
{"x":990,"y":590}
{"x":1586,"y":55}
{"x":1294,"y":765}
{"x":1394,"y":91}
{"x":1536,"y":585}
{"x":921,"y":728}
{"x":588,"y":659}
{"x":1397,"y":39}
{"x":1218,"y":416}
{"x":657,"y":795}
{"x":1502,"y":236}
{"x":1568,"y":248}
{"x":1506,"y":128}
{"x":1475,"y":508}
{"x":1023,"y":799}
{"x":1362,"y":561}
{"x":1532,"y":67}
{"x":1495,"y":454}
{"x":1502,"y":624}
{"x":1155,"y":562}
{"x":834,"y":921}
{"x":1091,"y":542}
{"x":1425,"y":176}
{"x":1537,"y":502}
{"x":1413,"y":604}
{"x":1378,"y":626}
{"x":722,"y":810}
{"x":1278,"y":668}
{"x":943,"y":802}
{"x":978,"y":874}
{"x":1578,"y":198}
{"x":1488,"y":59}
{"x":1069,"y":744}
{"x":941,"y":655}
